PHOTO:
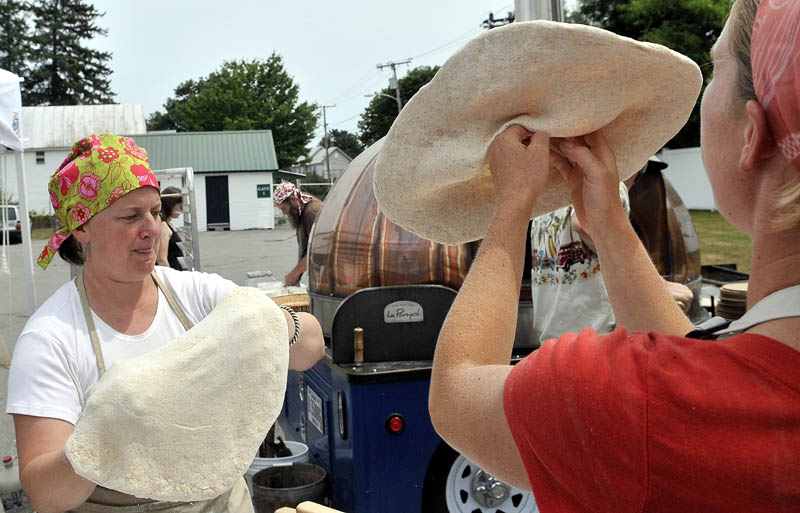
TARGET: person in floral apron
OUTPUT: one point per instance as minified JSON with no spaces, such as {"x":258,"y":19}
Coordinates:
{"x":120,"y":306}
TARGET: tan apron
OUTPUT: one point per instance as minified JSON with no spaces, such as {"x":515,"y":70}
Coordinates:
{"x":104,"y":500}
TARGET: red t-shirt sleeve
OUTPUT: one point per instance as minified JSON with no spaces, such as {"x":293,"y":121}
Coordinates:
{"x":577,"y":409}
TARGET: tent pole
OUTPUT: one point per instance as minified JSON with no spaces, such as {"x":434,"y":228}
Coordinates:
{"x":27,"y":252}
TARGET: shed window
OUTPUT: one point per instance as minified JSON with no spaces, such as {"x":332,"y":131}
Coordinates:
{"x":40,"y":157}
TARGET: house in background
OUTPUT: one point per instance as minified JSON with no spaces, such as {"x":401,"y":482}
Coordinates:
{"x":234,"y":174}
{"x":48,"y":135}
{"x":338,"y":162}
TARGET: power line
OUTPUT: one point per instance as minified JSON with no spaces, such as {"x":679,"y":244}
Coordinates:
{"x":369,"y":78}
{"x":455,"y":41}
{"x":371,"y":74}
{"x":344,"y":120}
{"x":368,"y":85}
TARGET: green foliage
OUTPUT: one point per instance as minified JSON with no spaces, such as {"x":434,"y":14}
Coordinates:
{"x":63,"y":70}
{"x":244,"y":95}
{"x":41,"y":220}
{"x":721,"y":243}
{"x":15,"y":40}
{"x":690,"y":27}
{"x":345,"y":141}
{"x":379,"y":115}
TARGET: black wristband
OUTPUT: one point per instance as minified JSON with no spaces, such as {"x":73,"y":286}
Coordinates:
{"x":296,"y":325}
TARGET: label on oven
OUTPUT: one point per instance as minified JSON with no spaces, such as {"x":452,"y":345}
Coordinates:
{"x":403,"y":311}
{"x":315,"y":417}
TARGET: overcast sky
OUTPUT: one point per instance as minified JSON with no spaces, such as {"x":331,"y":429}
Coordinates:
{"x":330,"y":48}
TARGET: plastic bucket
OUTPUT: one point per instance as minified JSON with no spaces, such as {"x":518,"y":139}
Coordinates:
{"x":277,"y":487}
{"x":299,"y":455}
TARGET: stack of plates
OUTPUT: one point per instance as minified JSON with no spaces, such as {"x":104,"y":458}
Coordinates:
{"x":732,"y":300}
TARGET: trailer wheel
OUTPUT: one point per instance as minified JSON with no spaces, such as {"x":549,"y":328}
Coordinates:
{"x":453,"y":484}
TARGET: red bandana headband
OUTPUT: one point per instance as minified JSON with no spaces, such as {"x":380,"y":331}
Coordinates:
{"x":775,"y":57}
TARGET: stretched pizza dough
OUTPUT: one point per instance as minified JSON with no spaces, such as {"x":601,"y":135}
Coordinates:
{"x":431,"y":176}
{"x":183,"y":422}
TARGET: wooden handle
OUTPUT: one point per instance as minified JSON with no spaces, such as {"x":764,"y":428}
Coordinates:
{"x":313,"y":507}
{"x":358,"y":345}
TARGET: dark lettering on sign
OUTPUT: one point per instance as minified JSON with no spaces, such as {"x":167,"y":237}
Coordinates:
{"x":403,"y":311}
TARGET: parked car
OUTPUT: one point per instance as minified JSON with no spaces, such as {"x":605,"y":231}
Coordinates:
{"x":9,"y":216}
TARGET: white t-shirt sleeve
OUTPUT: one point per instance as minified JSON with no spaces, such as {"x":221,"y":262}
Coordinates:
{"x":41,"y":381}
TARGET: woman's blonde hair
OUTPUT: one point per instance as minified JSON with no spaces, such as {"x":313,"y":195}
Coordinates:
{"x":742,"y":18}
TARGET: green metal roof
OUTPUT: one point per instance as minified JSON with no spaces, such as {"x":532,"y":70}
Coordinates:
{"x":211,"y":152}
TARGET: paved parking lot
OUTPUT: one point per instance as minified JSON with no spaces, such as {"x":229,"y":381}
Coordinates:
{"x":229,"y":254}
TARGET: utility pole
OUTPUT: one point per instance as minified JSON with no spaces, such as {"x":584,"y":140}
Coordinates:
{"x":493,"y":22}
{"x":394,"y":65}
{"x":526,"y":10}
{"x":325,"y":141}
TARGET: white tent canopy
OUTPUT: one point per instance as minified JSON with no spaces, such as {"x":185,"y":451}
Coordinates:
{"x":11,"y":140}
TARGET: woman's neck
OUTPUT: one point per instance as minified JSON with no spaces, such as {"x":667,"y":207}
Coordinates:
{"x":775,"y":266}
{"x":127,"y":306}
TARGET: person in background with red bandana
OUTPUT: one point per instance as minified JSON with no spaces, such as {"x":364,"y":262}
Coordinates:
{"x":302,"y":210}
{"x":655,"y":416}
{"x":121,"y":306}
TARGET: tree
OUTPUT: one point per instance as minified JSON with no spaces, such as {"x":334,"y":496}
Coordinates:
{"x":379,"y":115}
{"x":690,"y":27}
{"x":15,"y":40}
{"x":63,"y":70}
{"x":244,"y":95}
{"x":345,"y":141}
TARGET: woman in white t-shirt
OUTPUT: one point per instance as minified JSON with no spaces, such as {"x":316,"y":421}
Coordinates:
{"x":108,"y":200}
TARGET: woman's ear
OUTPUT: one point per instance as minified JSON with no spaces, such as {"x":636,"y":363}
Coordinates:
{"x":80,"y":235}
{"x":758,"y":142}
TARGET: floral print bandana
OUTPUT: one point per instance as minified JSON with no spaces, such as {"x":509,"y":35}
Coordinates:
{"x":99,"y":170}
{"x":775,"y":56}
{"x":286,"y":189}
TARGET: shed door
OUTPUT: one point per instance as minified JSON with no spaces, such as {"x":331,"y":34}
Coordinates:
{"x":217,"y":211}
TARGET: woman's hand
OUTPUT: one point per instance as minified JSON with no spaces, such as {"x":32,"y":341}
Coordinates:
{"x":590,"y":169}
{"x":520,"y":166}
{"x":682,"y":294}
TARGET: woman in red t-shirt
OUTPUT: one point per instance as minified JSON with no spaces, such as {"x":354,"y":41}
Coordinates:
{"x":645,"y":419}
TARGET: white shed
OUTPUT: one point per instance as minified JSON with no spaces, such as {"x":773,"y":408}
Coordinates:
{"x":50,"y":132}
{"x":235,"y":173}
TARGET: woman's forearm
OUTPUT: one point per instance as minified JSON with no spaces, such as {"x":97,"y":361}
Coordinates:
{"x":310,"y":346}
{"x":52,"y":485}
{"x":478,"y":331}
{"x":638,"y":295}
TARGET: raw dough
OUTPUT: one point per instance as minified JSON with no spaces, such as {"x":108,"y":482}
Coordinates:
{"x":183,"y":422}
{"x":431,"y":177}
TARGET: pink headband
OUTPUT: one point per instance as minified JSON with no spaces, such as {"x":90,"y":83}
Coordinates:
{"x":286,"y":189}
{"x":775,"y":57}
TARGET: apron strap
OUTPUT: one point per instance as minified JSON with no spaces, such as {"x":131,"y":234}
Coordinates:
{"x":781,"y":304}
{"x":87,"y":314}
{"x":187,"y":325}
